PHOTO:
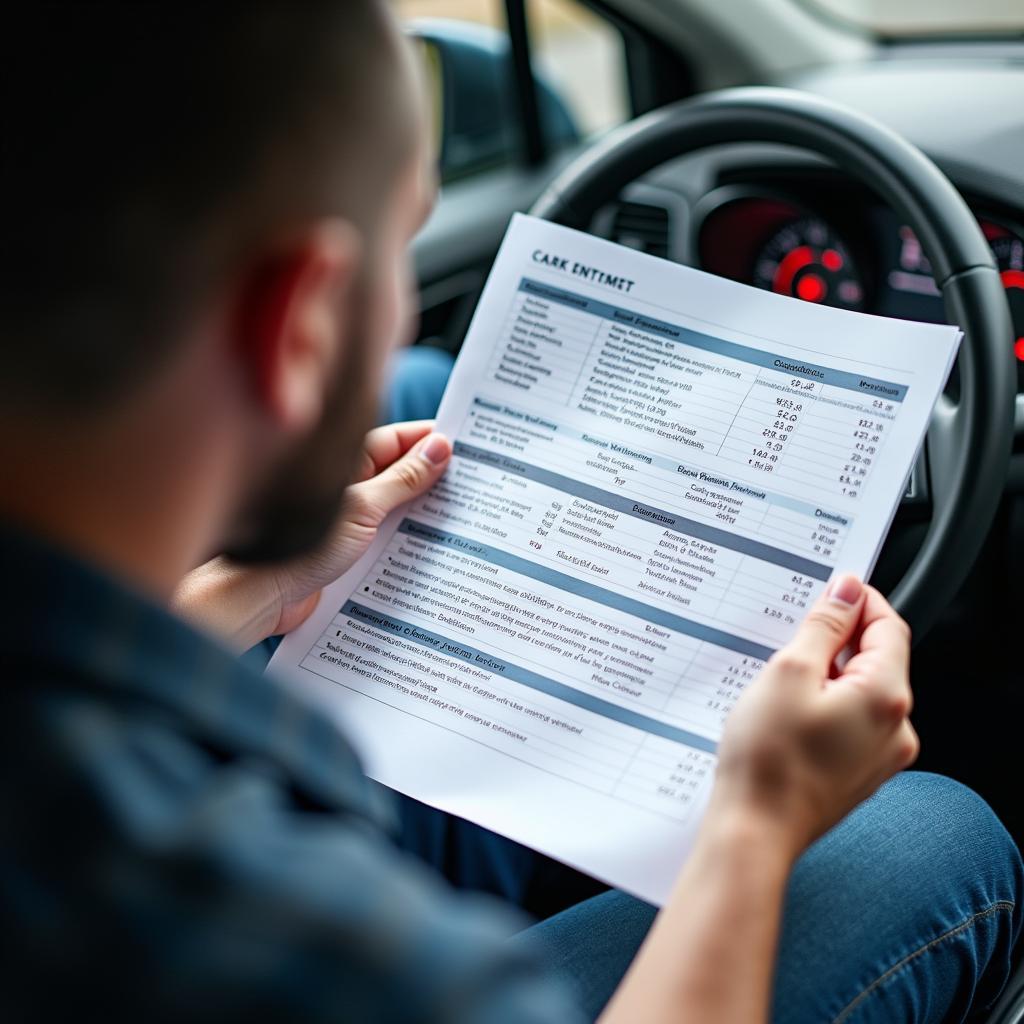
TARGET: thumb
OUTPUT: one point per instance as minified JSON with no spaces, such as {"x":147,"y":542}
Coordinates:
{"x":406,"y":478}
{"x":830,"y":623}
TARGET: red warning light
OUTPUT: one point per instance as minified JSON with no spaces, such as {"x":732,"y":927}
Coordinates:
{"x":1018,"y":348}
{"x":810,"y":288}
{"x":832,"y":260}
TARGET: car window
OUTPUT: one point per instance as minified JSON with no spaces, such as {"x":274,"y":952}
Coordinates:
{"x":583,"y":57}
{"x":578,"y":63}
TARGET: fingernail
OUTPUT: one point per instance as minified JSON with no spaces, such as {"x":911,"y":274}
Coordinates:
{"x":435,"y":450}
{"x":845,"y":591}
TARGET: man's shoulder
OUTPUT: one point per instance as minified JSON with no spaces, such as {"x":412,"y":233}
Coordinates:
{"x":185,"y":838}
{"x":137,"y":843}
{"x":80,"y":646}
{"x":146,"y":733}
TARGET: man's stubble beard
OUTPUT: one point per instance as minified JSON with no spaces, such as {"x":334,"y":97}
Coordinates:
{"x":293,"y":514}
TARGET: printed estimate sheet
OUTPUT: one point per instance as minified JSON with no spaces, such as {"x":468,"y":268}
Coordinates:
{"x":656,"y":471}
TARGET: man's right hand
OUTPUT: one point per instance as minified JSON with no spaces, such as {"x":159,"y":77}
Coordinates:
{"x":808,"y":742}
{"x":803,"y":746}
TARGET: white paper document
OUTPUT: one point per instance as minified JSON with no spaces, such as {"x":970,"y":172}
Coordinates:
{"x":656,"y":471}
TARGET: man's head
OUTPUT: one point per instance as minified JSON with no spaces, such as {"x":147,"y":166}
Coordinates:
{"x":219,"y":195}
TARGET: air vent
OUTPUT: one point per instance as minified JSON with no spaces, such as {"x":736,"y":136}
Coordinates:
{"x":642,"y":226}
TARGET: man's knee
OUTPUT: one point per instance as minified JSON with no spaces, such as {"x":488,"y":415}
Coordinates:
{"x":920,"y":833}
{"x":940,"y":826}
{"x":419,"y":376}
{"x":921,"y":860}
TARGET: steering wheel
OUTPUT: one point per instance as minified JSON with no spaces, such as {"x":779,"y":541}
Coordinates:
{"x":969,"y":440}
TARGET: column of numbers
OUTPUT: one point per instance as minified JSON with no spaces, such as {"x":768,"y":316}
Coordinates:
{"x":766,"y":423}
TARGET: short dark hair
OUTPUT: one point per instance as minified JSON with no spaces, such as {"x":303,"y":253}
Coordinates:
{"x":146,"y":145}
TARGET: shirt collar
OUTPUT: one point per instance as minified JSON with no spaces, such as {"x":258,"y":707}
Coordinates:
{"x":93,"y":632}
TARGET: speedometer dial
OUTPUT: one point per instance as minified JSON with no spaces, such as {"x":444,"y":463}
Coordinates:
{"x":807,"y":260}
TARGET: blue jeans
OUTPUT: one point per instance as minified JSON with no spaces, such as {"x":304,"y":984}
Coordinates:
{"x":417,"y":380}
{"x":907,"y":911}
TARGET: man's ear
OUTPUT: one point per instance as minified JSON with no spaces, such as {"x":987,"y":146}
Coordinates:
{"x":294,"y":309}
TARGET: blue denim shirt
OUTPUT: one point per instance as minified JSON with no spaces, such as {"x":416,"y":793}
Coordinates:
{"x":182,"y":838}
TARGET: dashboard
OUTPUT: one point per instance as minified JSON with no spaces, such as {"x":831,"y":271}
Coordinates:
{"x":821,"y":239}
{"x":781,"y":219}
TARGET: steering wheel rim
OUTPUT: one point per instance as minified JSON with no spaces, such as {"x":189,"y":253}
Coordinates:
{"x":969,"y":441}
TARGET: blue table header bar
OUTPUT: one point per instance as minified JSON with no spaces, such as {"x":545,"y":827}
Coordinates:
{"x":583,"y":588}
{"x":646,"y":513}
{"x":542,"y":684}
{"x":884,"y":389}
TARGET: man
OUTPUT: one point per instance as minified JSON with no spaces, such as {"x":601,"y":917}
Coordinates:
{"x":207,"y":210}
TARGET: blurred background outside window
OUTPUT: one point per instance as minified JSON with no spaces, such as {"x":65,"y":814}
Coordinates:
{"x":578,"y":64}
{"x":927,"y":17}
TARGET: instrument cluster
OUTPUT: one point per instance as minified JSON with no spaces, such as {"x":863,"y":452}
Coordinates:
{"x":840,"y":247}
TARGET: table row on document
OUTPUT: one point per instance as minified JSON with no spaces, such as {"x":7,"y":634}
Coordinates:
{"x":762,"y":420}
{"x":438,"y":627}
{"x":595,"y":465}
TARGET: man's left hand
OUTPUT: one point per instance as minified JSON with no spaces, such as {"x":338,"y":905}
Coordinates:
{"x":243,"y":605}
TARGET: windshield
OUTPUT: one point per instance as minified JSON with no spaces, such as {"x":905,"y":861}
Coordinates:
{"x":927,"y":17}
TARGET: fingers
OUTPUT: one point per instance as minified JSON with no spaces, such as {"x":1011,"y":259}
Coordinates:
{"x":883,"y":633}
{"x":872,"y":693}
{"x":827,"y":628}
{"x":906,"y":747}
{"x":896,"y":752}
{"x":412,"y":474}
{"x":384,"y":445}
{"x":880,"y":669}
{"x":889,"y":754}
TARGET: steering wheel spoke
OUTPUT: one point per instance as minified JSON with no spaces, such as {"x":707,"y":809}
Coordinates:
{"x":941,"y":446}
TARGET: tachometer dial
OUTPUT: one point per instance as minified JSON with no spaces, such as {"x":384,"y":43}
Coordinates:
{"x":808,"y":260}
